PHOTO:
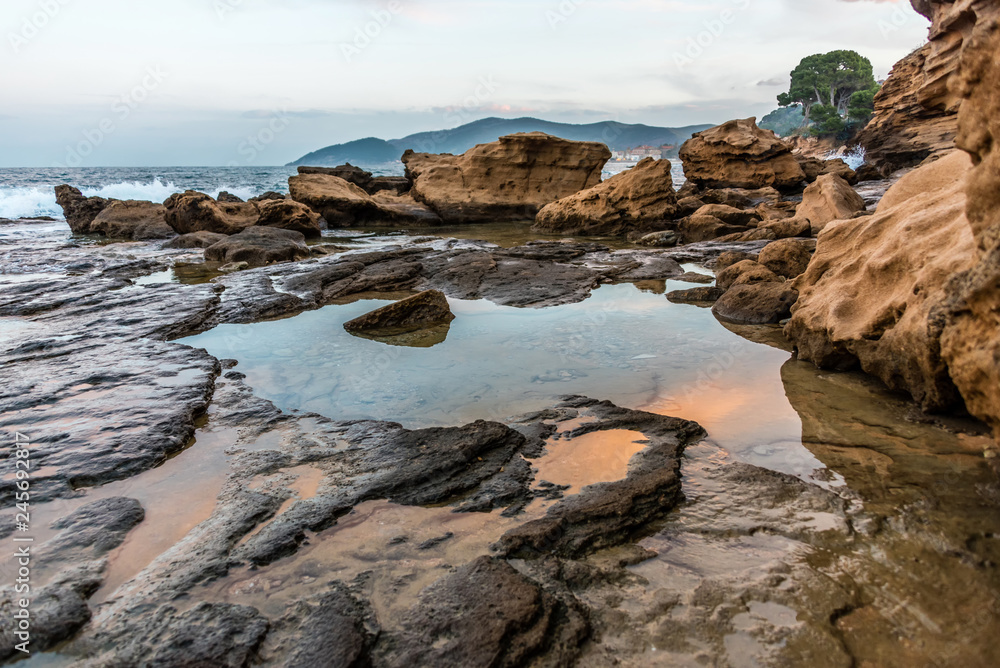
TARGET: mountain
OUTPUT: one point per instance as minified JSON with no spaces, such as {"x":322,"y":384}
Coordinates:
{"x":618,"y":136}
{"x":369,"y":151}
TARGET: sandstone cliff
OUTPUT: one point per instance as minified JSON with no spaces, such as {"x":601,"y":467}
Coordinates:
{"x":916,"y":112}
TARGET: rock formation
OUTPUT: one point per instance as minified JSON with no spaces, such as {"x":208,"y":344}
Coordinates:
{"x":970,"y":342}
{"x":421,"y":311}
{"x":828,"y":198}
{"x":258,"y":246}
{"x":916,"y":112}
{"x":130,"y":219}
{"x":344,"y":204}
{"x":193,"y":211}
{"x":641,"y":199}
{"x":363,"y":179}
{"x":287,"y":214}
{"x":80,"y":211}
{"x":870,"y":292}
{"x":510,"y":179}
{"x":738,"y":154}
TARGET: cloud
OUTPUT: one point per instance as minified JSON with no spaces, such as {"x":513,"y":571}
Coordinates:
{"x":777,"y":81}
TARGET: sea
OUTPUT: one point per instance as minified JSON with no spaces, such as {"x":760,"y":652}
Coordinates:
{"x":30,"y":192}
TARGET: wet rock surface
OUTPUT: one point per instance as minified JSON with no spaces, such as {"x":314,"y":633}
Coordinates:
{"x":420,"y":311}
{"x":259,"y":246}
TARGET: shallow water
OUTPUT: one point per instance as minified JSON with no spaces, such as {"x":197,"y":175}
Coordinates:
{"x":623,"y":345}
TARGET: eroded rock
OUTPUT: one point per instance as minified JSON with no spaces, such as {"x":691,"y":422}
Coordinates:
{"x":510,"y":179}
{"x":259,"y":246}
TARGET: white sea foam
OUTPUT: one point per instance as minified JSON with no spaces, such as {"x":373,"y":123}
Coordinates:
{"x":28,"y":202}
{"x":854,"y":158}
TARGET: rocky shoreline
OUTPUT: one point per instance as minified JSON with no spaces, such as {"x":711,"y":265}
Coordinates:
{"x":685,"y":556}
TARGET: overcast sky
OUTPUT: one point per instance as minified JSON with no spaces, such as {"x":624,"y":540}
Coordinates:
{"x":190,"y":82}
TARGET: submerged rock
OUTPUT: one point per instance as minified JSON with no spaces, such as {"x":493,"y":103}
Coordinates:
{"x":259,"y":246}
{"x":423,"y":311}
{"x":738,"y":154}
{"x":637,"y":200}
{"x":510,"y":179}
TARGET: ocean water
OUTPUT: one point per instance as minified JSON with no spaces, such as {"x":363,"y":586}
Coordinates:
{"x":29,"y":192}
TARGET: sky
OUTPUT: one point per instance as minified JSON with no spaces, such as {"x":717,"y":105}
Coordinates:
{"x":262,"y":82}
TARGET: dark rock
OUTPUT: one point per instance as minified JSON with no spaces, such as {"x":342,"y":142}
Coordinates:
{"x":347,"y":171}
{"x":664,"y":239}
{"x":485,"y":614}
{"x":259,"y":246}
{"x":229,"y":198}
{"x":288,"y":215}
{"x":79,"y":211}
{"x":101,"y":525}
{"x":332,"y":633}
{"x":57,"y":611}
{"x":608,"y":514}
{"x":195,"y":240}
{"x":706,"y":294}
{"x":269,"y":196}
{"x":399,"y":185}
{"x":756,"y":304}
{"x":421,"y":311}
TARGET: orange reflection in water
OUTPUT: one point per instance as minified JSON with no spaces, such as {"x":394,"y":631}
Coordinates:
{"x":600,"y":456}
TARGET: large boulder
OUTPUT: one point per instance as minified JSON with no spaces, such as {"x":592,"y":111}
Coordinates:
{"x":788,"y":257}
{"x":259,"y":246}
{"x":79,"y":211}
{"x":132,"y":219}
{"x":193,"y":211}
{"x":344,"y":204}
{"x":916,"y":111}
{"x":738,"y":154}
{"x":699,"y":227}
{"x":745,"y":272}
{"x":638,"y":200}
{"x":427,"y":309}
{"x":287,"y":214}
{"x":756,"y":303}
{"x":828,"y":198}
{"x":871,"y":293}
{"x":509,"y":179}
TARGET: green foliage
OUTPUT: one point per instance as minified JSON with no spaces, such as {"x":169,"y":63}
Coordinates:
{"x":827,"y":120}
{"x":862,"y":104}
{"x":829,"y":79}
{"x":785,"y":121}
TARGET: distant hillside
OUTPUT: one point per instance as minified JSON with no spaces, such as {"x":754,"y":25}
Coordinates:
{"x":618,"y":136}
{"x":370,"y":151}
